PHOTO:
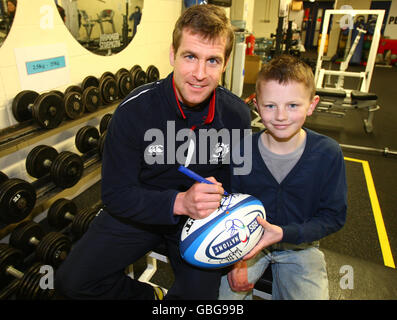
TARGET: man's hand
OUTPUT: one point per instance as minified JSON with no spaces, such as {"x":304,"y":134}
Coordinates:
{"x":200,"y":200}
{"x":238,"y":277}
{"x":271,"y":235}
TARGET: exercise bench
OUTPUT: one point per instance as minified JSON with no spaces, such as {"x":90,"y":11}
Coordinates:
{"x":338,"y":101}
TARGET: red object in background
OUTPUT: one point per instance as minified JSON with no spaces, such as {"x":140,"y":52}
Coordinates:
{"x":388,"y":44}
{"x":250,"y":42}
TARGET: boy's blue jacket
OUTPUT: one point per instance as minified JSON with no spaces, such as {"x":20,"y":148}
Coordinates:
{"x":140,"y":179}
{"x":311,"y":202}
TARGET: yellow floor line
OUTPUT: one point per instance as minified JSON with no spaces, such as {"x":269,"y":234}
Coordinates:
{"x":380,"y":225}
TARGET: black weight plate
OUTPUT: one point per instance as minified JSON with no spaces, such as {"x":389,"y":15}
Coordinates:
{"x":89,"y":81}
{"x":23,"y":233}
{"x":22,"y":105}
{"x":108,"y":89}
{"x":67,"y":169}
{"x":3,"y":177}
{"x":29,"y":283}
{"x":139,"y":78}
{"x":17,"y":200}
{"x":48,"y":110}
{"x":39,"y":159}
{"x":56,"y":213}
{"x":59,"y":93}
{"x":73,"y":88}
{"x":60,"y":248}
{"x":86,"y":138}
{"x":91,"y":99}
{"x":53,"y":248}
{"x":104,"y":124}
{"x":29,"y":288}
{"x":135,"y":68}
{"x":120,"y":72}
{"x":74,"y":107}
{"x":124,"y":83}
{"x":106,"y":74}
{"x":82,"y":221}
{"x":152,"y":74}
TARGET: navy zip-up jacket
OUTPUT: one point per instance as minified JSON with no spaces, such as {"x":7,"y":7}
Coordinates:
{"x":139,"y":167}
{"x":311,"y":202}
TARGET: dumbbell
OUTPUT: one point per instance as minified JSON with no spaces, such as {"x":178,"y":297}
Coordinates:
{"x":104,"y":123}
{"x":138,"y":76}
{"x":108,"y":88}
{"x":73,"y":103}
{"x":64,"y":211}
{"x":124,"y":82}
{"x":65,"y":168}
{"x":89,"y":81}
{"x":17,"y":199}
{"x":51,"y":248}
{"x":152,"y":74}
{"x":88,"y":138}
{"x":91,"y":99}
{"x":29,"y":281}
{"x":47,"y":109}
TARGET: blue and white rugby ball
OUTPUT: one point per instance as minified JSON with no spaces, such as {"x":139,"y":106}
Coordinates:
{"x":226,"y":235}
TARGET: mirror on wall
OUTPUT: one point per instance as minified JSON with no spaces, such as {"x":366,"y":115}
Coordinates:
{"x":104,"y":27}
{"x":7,"y":13}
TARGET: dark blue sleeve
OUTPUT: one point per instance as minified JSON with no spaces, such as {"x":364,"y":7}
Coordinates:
{"x":330,"y":216}
{"x":122,"y":192}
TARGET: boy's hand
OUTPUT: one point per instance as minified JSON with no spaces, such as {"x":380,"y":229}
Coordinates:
{"x":271,"y":235}
{"x":238,"y":277}
{"x":200,"y":200}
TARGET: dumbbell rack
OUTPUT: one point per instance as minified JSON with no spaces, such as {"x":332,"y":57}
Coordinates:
{"x":46,"y":190}
{"x":24,"y":135}
{"x":29,"y":132}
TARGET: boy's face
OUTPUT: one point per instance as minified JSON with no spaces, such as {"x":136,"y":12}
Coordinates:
{"x":198,"y":67}
{"x":284,"y":108}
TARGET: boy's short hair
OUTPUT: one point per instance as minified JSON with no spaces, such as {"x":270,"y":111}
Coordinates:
{"x":207,"y":20}
{"x":285,"y":68}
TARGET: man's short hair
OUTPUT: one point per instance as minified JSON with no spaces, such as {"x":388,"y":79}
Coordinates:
{"x":286,"y":68}
{"x":207,"y":20}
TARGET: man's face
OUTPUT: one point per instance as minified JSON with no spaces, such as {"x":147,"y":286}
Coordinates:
{"x":198,"y":67}
{"x":10,"y":7}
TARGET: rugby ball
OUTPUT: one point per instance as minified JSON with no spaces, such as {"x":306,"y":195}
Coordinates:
{"x":226,"y":235}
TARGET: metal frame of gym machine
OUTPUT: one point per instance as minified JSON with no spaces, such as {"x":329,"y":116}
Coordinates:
{"x":366,"y":75}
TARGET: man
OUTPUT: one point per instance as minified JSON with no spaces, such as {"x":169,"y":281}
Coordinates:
{"x":136,"y":18}
{"x":11,"y":8}
{"x":147,"y":200}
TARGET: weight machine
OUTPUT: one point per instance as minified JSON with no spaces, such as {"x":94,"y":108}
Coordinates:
{"x":339,"y":100}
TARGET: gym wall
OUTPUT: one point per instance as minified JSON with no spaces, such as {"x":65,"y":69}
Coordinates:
{"x":37,"y":29}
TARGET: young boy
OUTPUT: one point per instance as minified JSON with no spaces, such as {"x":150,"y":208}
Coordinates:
{"x":299,"y":176}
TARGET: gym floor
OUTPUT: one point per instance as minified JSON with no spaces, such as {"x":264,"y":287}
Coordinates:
{"x":361,"y":256}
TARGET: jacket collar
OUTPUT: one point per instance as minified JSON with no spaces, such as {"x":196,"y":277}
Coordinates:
{"x":212,"y":120}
